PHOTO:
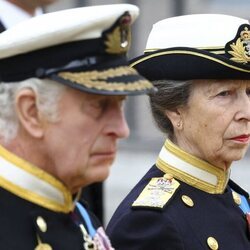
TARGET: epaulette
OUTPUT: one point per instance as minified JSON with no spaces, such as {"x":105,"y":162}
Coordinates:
{"x":157,"y":193}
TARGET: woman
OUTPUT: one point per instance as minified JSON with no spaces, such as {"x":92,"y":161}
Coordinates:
{"x":186,"y":200}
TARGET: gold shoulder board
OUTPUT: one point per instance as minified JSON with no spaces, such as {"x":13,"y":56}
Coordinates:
{"x":157,"y":193}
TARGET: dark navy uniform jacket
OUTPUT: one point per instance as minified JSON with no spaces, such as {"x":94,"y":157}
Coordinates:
{"x":188,"y":219}
{"x":19,"y":226}
{"x":37,"y":211}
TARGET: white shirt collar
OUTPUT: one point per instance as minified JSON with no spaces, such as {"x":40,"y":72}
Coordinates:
{"x":33,"y":184}
{"x":11,"y":14}
{"x":192,"y":170}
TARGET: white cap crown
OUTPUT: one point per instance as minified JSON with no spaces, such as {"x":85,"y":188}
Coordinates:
{"x":194,"y":31}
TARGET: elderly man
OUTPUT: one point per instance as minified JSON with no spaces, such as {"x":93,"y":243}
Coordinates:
{"x":64,"y":77}
{"x":11,"y":13}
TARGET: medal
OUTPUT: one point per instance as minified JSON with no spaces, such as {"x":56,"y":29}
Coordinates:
{"x":43,"y":246}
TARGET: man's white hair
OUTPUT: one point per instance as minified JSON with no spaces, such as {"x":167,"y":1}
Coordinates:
{"x":48,"y":94}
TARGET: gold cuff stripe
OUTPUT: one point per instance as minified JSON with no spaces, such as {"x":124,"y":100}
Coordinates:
{"x":184,"y":52}
{"x":96,"y":79}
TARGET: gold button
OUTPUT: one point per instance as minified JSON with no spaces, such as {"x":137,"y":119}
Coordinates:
{"x":41,"y":223}
{"x":187,"y":200}
{"x":236,"y":198}
{"x":212,"y":243}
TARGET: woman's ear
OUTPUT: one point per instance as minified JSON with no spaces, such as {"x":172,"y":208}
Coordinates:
{"x":175,"y":118}
{"x":28,"y":113}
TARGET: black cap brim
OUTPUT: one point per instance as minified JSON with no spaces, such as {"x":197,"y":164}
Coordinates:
{"x":182,"y":63}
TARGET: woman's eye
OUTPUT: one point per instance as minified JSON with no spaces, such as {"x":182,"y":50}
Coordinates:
{"x":225,"y":93}
{"x":248,"y":92}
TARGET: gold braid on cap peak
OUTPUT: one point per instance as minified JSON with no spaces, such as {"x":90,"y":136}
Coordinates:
{"x":96,"y":79}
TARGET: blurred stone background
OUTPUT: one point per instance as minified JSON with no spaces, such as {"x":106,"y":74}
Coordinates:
{"x":140,"y":150}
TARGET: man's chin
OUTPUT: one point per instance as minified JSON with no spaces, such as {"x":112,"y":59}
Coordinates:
{"x":98,"y":174}
{"x":102,"y":175}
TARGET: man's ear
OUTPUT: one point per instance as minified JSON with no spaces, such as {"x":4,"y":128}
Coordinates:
{"x":28,"y":113}
{"x":175,"y":118}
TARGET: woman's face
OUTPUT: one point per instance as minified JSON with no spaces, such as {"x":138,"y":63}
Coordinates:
{"x":215,"y":124}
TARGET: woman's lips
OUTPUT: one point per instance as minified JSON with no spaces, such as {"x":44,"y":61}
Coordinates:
{"x":242,"y":138}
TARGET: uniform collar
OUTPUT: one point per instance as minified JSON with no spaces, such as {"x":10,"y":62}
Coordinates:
{"x":33,"y":184}
{"x":192,"y":170}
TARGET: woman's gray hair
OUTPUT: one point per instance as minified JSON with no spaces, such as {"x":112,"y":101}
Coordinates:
{"x":48,"y":93}
{"x":170,"y":95}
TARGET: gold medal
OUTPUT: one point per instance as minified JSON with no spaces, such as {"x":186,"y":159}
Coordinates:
{"x":43,"y":246}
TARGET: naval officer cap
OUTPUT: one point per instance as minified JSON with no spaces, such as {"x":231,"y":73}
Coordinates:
{"x":200,"y":46}
{"x":84,"y":48}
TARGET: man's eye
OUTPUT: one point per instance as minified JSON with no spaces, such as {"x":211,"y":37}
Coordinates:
{"x":100,"y":104}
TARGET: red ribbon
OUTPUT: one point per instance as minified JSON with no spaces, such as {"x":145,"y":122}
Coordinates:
{"x":248,"y":221}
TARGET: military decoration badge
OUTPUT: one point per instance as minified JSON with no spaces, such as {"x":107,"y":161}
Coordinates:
{"x":243,"y":204}
{"x":43,"y":246}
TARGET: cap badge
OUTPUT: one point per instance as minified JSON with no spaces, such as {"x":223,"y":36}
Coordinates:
{"x":118,"y":38}
{"x":240,"y":45}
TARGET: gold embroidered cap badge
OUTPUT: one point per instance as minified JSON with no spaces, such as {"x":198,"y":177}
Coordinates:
{"x":240,"y":46}
{"x":118,"y":38}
